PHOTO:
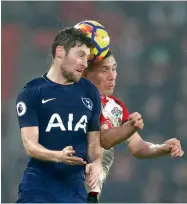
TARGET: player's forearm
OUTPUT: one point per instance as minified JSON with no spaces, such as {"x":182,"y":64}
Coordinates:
{"x":149,"y":150}
{"x":95,"y":156}
{"x":95,"y":153}
{"x":113,"y":136}
{"x":37,"y":151}
{"x":94,"y":147}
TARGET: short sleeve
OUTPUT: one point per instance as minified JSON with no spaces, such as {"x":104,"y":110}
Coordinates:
{"x":94,"y":122}
{"x":27,"y":108}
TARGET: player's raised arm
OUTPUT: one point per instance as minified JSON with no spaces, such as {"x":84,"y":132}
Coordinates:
{"x":27,"y":112}
{"x":116,"y":135}
{"x":142,"y":149}
{"x":112,"y":133}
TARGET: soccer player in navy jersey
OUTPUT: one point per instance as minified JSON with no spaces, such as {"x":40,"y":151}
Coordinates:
{"x":117,"y":124}
{"x":58,"y":115}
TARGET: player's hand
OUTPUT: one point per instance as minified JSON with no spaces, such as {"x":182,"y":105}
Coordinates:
{"x":175,"y":147}
{"x":93,"y":171}
{"x":136,"y":120}
{"x":66,"y":156}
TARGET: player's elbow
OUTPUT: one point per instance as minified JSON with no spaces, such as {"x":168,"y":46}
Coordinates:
{"x":106,"y":140}
{"x":28,"y":145}
{"x":29,"y":137}
{"x":105,"y":144}
{"x":136,"y":150}
{"x":28,"y":150}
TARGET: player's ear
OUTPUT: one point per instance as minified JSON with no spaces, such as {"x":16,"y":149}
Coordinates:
{"x":60,"y":51}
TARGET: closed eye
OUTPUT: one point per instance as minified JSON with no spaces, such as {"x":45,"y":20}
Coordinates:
{"x":103,"y":69}
{"x":81,"y":54}
{"x":106,"y":68}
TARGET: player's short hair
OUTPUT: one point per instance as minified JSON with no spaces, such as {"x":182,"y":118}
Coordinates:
{"x":91,"y":64}
{"x":69,"y":37}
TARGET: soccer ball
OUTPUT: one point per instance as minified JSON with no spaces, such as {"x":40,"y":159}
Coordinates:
{"x":100,"y":38}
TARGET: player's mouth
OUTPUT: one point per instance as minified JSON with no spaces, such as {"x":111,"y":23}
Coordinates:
{"x":79,"y":70}
{"x":111,"y":86}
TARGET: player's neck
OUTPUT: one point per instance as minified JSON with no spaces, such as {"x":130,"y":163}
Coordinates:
{"x":105,"y":94}
{"x":56,"y":76}
{"x":102,"y":95}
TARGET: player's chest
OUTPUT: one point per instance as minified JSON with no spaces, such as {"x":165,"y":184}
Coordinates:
{"x":111,"y":109}
{"x":65,"y":102}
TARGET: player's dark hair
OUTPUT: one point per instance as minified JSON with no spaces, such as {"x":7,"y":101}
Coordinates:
{"x":69,"y":37}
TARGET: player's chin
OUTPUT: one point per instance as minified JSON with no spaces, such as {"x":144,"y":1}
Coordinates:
{"x":77,"y":77}
{"x":109,"y":92}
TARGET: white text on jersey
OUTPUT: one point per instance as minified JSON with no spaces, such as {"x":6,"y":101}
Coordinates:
{"x":59,"y":124}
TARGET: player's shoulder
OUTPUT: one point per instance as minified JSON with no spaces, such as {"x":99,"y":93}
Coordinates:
{"x":32,"y":87}
{"x":118,"y":101}
{"x":88,"y":84}
{"x":36,"y":83}
{"x":115,"y":99}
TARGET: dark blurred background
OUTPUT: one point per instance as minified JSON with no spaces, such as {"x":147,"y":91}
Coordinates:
{"x":149,"y":41}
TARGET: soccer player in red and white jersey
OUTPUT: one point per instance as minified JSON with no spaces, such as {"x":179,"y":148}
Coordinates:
{"x":117,"y":125}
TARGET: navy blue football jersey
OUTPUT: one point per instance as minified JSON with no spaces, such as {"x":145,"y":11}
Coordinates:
{"x":64,"y":115}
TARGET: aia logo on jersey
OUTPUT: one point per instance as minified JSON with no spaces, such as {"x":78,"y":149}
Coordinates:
{"x":88,"y":103}
{"x":56,"y":122}
{"x":117,"y":114}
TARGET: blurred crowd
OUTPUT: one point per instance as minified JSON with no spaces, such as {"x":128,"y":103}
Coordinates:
{"x":149,"y":41}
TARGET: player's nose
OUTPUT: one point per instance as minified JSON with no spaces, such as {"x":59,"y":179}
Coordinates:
{"x":84,"y":63}
{"x":111,"y":75}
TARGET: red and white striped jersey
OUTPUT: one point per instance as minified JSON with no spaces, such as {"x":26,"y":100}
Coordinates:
{"x":114,"y":112}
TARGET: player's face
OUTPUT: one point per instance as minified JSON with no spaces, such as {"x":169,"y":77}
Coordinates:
{"x":103,"y":75}
{"x":74,"y":63}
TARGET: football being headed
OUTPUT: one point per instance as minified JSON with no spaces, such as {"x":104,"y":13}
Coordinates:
{"x":100,"y":37}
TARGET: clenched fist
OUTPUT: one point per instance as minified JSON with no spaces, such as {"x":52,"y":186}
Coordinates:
{"x":136,"y":120}
{"x":175,"y":147}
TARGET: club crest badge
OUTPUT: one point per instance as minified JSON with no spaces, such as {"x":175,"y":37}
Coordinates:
{"x":88,"y":103}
